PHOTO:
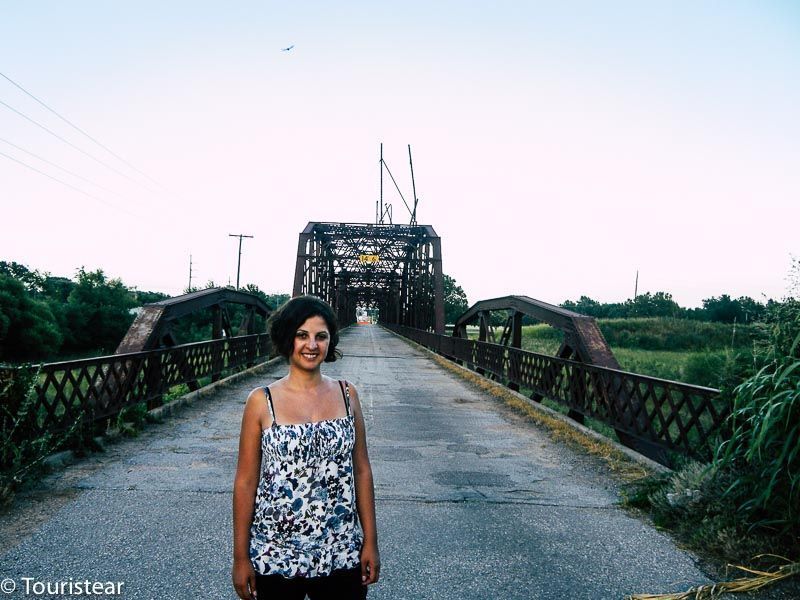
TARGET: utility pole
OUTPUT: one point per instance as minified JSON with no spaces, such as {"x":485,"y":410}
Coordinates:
{"x":239,"y":262}
{"x":636,"y":287}
{"x":190,"y":274}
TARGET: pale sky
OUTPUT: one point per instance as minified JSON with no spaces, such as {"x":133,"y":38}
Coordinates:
{"x":558,"y":146}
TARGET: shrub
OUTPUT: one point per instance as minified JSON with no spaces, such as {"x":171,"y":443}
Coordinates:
{"x":723,"y":370}
{"x":661,"y":333}
{"x":747,"y":501}
{"x":22,"y":448}
{"x":691,"y":502}
{"x":764,"y":448}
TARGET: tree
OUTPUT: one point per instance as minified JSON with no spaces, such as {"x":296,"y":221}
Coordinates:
{"x":142,"y":298}
{"x":455,"y":300}
{"x":28,"y":329}
{"x":273,"y":300}
{"x":659,"y":304}
{"x":722,"y":309}
{"x":726,"y":310}
{"x":585,"y":306}
{"x":57,"y":289}
{"x":97,"y":312}
{"x":33,"y":281}
{"x":751,"y":310}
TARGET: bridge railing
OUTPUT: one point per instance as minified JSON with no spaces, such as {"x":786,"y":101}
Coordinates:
{"x":675,"y":416}
{"x":97,"y":388}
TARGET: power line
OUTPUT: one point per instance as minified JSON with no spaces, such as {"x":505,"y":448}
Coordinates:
{"x":67,"y":171}
{"x":79,"y":149}
{"x":69,"y":185}
{"x":71,"y":124}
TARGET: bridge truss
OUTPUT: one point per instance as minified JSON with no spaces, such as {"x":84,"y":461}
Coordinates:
{"x":394,"y":268}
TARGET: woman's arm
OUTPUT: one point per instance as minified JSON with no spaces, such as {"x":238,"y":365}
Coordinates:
{"x":244,"y":494}
{"x":365,"y":497}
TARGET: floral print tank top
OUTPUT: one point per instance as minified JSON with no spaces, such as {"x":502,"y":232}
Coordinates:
{"x":305,"y":522}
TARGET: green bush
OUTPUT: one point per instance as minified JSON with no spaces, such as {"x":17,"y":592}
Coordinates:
{"x":723,"y":370}
{"x":764,"y":448}
{"x":660,"y":333}
{"x":747,"y":501}
{"x":22,"y":447}
{"x":691,"y":502}
{"x":131,"y":419}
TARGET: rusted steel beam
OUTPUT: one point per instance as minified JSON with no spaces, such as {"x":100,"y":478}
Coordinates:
{"x":151,"y":327}
{"x":144,"y":331}
{"x":583,"y":342}
{"x":580,"y":332}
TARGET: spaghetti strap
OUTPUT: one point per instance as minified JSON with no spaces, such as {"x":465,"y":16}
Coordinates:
{"x":345,"y":387}
{"x":269,"y":403}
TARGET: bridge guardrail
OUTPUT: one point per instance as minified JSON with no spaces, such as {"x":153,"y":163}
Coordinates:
{"x":98,"y":388}
{"x":675,"y":416}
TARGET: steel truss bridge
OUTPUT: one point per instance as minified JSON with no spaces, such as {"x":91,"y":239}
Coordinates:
{"x":394,"y":268}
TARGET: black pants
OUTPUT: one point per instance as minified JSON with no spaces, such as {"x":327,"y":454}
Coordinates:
{"x":344,"y":584}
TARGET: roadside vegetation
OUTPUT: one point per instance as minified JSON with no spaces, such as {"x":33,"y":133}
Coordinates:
{"x":46,"y":318}
{"x":744,"y":506}
{"x":746,"y":502}
{"x":700,"y":353}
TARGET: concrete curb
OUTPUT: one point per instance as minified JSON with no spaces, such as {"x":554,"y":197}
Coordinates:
{"x":632,"y":455}
{"x":64,"y":458}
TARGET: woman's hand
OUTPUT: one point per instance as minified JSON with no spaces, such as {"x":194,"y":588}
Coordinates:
{"x":370,"y":564}
{"x":244,"y":579}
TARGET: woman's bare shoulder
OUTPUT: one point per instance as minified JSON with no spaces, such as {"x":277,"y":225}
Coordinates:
{"x":256,"y":405}
{"x":256,"y":395}
{"x":352,"y":392}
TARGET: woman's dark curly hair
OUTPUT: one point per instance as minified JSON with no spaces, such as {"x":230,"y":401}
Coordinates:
{"x":285,"y":321}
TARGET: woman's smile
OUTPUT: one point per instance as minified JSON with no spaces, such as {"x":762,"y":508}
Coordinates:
{"x":311,"y":340}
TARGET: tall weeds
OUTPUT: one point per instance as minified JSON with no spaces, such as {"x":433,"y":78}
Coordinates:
{"x":764,"y":447}
{"x":747,"y":501}
{"x":22,"y":450}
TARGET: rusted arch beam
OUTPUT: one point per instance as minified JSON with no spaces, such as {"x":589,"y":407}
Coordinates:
{"x":583,"y":342}
{"x":152,"y":325}
{"x":582,"y":338}
{"x":151,"y":330}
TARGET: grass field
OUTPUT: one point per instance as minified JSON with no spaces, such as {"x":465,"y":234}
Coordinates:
{"x":676,"y":349}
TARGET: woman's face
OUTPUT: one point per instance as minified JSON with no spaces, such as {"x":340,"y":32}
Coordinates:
{"x":311,"y":341}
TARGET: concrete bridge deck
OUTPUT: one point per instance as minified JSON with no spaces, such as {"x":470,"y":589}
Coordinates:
{"x":472,"y":501}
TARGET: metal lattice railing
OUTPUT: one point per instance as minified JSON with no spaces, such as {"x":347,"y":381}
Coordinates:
{"x":97,"y":388}
{"x":675,"y":416}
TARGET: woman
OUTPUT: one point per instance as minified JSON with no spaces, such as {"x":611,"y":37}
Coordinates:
{"x":304,"y":521}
